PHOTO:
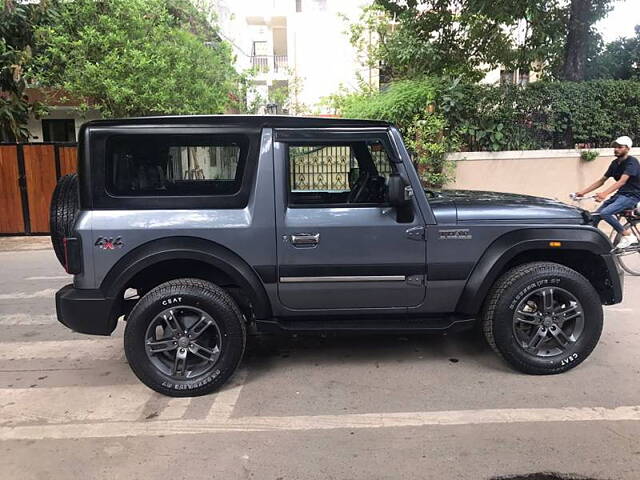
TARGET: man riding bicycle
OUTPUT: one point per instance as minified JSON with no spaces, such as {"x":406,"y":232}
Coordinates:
{"x":625,"y":169}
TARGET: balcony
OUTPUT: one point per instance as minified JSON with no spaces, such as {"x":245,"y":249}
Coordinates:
{"x":270,"y":64}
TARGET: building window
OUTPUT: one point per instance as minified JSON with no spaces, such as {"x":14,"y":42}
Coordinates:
{"x":58,"y":130}
{"x":523,"y":79}
{"x":315,"y":5}
{"x":507,"y":77}
{"x":319,"y":5}
{"x":260,"y":48}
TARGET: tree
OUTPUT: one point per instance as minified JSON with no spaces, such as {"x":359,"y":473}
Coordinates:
{"x":618,"y":60}
{"x":583,"y":14}
{"x":138,"y":57}
{"x":464,"y":37}
{"x":17,"y":49}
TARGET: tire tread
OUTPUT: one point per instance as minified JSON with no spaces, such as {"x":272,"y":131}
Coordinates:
{"x":175,"y":287}
{"x":495,"y":295}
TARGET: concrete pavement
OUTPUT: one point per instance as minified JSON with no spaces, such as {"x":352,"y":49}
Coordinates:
{"x":441,"y":407}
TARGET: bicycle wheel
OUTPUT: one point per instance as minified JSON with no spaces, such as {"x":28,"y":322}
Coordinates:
{"x":628,"y":259}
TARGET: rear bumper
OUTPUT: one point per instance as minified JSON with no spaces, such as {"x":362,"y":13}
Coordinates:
{"x":85,"y":311}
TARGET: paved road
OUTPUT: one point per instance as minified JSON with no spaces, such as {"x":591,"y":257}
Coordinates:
{"x":366,"y":408}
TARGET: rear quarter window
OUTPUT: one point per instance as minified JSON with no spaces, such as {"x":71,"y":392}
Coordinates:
{"x":175,"y":165}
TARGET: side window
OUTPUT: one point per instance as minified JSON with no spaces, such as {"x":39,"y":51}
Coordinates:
{"x":184,"y":165}
{"x":338,"y":174}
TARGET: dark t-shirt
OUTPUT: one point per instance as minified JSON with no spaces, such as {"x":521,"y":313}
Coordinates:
{"x":628,"y":166}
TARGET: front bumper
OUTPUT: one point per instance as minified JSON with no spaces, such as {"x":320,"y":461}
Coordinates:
{"x":86,"y":311}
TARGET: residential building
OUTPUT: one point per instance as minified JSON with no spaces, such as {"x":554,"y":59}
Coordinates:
{"x":299,"y":50}
{"x":63,"y":120}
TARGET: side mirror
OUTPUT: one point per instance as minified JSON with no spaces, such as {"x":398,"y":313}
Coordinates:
{"x":399,"y":192}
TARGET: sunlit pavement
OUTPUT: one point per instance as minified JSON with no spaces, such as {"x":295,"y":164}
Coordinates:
{"x":348,"y":407}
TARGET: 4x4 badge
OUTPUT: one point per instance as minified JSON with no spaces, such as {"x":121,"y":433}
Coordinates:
{"x":109,"y":243}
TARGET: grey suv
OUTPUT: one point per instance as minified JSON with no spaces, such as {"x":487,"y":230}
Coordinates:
{"x":197,"y":230}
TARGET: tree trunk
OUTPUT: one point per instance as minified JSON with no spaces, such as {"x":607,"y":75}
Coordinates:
{"x":575,"y":56}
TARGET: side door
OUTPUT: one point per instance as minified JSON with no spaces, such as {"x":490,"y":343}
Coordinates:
{"x":340,"y":245}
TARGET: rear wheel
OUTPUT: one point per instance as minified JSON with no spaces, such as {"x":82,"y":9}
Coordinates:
{"x":629,"y":258}
{"x":185,"y":338}
{"x":543,"y":318}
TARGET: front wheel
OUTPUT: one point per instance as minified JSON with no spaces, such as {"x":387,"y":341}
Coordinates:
{"x":185,"y":338}
{"x":543,"y":318}
{"x":629,"y":259}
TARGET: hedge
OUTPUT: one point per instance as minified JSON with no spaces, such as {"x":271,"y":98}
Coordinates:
{"x":542,"y":115}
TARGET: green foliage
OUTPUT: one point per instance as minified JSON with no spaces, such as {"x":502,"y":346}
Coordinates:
{"x":399,"y":104}
{"x":618,"y":60}
{"x":466,"y":38}
{"x":138,"y":57}
{"x":589,"y":155}
{"x":429,"y":140}
{"x":459,"y":37}
{"x":410,"y":105}
{"x":545,"y":114}
{"x":17,"y":24}
{"x":439,"y":116}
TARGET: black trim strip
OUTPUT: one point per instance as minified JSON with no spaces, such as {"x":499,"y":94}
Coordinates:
{"x":56,"y":155}
{"x":62,"y":144}
{"x":22,"y":181}
{"x":350,"y":270}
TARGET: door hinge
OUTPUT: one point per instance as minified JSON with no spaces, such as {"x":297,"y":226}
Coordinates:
{"x":415,"y":280}
{"x":415,"y":233}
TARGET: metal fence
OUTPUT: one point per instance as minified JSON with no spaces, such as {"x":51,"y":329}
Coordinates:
{"x":268,"y":63}
{"x":328,"y":167}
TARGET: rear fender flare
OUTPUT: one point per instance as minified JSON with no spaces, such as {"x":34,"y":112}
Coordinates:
{"x":188,"y":248}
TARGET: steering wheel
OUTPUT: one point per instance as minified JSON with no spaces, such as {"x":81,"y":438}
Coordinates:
{"x":359,"y":187}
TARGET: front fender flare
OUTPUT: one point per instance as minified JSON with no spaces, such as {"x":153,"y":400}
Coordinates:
{"x":505,"y":248}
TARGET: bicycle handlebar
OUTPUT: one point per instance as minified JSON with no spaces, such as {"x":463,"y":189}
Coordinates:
{"x":576,"y":198}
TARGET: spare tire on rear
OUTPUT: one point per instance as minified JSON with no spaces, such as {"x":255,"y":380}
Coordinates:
{"x":63,"y":212}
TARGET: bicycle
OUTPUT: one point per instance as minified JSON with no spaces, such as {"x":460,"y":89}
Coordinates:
{"x":630,"y":219}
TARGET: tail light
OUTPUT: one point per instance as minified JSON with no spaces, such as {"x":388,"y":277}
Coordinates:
{"x":72,"y":255}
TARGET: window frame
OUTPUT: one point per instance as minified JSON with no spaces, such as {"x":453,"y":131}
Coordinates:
{"x":308,"y":142}
{"x":93,"y":168}
{"x":227,"y":141}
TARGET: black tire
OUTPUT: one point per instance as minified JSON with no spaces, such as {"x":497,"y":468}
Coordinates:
{"x":629,"y":261}
{"x":63,"y":212}
{"x":183,"y":295}
{"x":524,"y":283}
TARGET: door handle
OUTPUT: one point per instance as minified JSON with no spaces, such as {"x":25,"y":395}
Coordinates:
{"x":305,"y":239}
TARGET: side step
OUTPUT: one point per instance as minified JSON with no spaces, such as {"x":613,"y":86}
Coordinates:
{"x":425,"y":325}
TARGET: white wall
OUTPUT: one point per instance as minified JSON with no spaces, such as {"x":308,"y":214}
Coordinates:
{"x":320,"y":53}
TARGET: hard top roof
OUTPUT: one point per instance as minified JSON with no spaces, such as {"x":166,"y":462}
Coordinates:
{"x":255,"y":121}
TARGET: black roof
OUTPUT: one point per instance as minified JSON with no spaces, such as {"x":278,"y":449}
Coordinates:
{"x":256,"y":121}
